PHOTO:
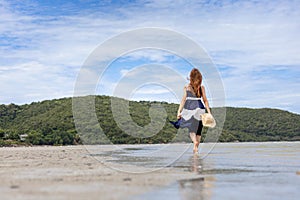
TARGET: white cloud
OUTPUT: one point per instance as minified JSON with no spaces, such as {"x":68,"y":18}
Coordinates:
{"x":33,"y":80}
{"x":44,"y":53}
{"x":124,"y":72}
{"x":152,"y":55}
{"x":152,"y":91}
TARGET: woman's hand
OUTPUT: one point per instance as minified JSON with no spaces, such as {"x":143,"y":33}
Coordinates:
{"x":205,"y":100}
{"x":178,"y":116}
{"x":181,"y":103}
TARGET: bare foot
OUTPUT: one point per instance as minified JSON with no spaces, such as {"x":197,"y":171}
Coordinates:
{"x":195,"y":151}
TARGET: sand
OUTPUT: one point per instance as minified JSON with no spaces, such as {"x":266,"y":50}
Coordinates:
{"x":69,"y":172}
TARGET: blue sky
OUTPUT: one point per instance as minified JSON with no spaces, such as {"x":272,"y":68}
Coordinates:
{"x":254,"y":44}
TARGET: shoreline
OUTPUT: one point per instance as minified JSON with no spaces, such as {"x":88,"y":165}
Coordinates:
{"x":141,"y":144}
{"x":64,"y":172}
{"x":59,"y":172}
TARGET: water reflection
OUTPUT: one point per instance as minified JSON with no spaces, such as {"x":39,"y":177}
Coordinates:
{"x":199,"y":187}
{"x":260,"y":170}
{"x":196,"y":164}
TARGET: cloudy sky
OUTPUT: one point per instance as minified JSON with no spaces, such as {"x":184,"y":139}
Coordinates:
{"x":255,"y":46}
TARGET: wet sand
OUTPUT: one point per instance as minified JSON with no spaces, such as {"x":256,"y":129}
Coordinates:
{"x":69,"y":172}
{"x":168,"y":172}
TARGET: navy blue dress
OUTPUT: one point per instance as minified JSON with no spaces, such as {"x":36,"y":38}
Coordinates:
{"x":190,"y":115}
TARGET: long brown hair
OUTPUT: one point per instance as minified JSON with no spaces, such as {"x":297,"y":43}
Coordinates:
{"x":196,"y":81}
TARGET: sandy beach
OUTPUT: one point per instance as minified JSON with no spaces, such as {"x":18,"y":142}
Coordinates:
{"x":68,"y":172}
{"x":229,"y":171}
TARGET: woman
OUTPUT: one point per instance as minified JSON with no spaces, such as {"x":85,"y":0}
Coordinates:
{"x":191,"y":107}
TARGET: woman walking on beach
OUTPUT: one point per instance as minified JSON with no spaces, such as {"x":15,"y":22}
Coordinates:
{"x":191,"y":107}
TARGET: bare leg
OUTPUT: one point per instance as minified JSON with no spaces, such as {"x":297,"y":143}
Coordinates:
{"x":194,"y":139}
{"x":198,"y":139}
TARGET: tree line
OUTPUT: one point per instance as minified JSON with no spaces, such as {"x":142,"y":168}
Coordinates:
{"x":51,"y":122}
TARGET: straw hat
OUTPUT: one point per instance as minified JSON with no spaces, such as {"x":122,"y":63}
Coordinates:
{"x":208,"y":120}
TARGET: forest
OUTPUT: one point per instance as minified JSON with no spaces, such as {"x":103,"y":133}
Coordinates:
{"x":51,"y":122}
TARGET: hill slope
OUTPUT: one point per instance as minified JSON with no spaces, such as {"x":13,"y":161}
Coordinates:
{"x":51,"y":122}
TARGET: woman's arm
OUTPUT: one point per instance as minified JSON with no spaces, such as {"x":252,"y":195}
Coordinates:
{"x":181,"y":103}
{"x":205,"y":101}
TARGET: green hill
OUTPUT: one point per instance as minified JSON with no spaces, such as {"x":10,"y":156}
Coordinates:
{"x":51,"y":122}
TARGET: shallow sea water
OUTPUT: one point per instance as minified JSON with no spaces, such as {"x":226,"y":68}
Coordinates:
{"x":228,"y":171}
